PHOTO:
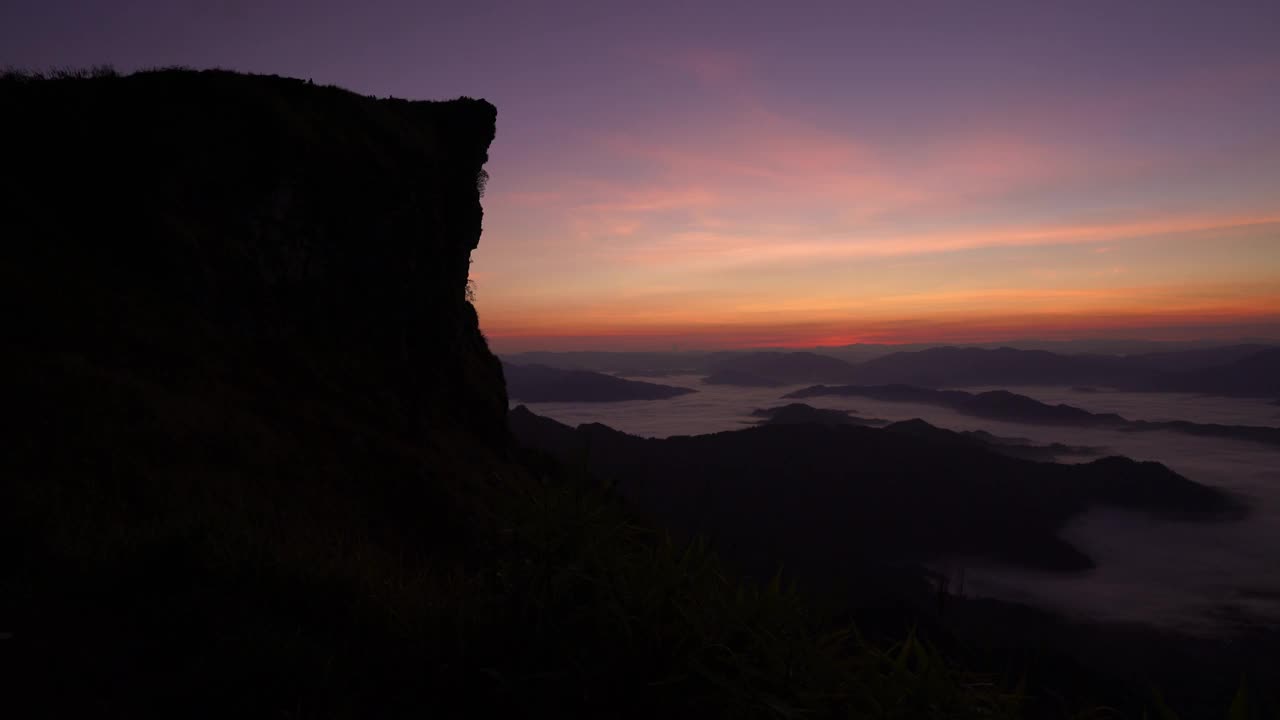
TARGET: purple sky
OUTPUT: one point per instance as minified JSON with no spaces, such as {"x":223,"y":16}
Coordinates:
{"x":725,"y":174}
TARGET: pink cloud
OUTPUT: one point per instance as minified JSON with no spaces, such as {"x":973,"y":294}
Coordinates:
{"x":763,"y":169}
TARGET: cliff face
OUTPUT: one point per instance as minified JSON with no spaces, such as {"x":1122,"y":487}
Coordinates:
{"x":248,"y":408}
{"x":200,"y":224}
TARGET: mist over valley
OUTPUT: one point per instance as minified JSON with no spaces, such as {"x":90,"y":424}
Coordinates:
{"x":1199,"y":578}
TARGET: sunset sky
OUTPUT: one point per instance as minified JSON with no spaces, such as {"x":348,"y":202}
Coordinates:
{"x":697,"y":175}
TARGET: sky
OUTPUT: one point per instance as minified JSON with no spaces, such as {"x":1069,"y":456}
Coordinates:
{"x":755,"y":173}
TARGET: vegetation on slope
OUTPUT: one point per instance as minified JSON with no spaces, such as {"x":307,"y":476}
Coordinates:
{"x":260,"y":602}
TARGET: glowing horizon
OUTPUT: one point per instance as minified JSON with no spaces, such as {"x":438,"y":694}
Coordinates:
{"x":750,"y":214}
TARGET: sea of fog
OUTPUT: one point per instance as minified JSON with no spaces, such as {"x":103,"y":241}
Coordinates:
{"x":1200,"y":578}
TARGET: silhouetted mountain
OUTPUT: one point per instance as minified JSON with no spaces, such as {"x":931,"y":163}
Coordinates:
{"x":861,"y":352}
{"x":539,"y":383}
{"x":1057,"y":363}
{"x":771,"y":369}
{"x":1020,"y":408}
{"x":836,"y":492}
{"x":1026,"y":449}
{"x":800,"y":413}
{"x":1255,"y":374}
{"x":1121,"y":346}
{"x":1251,"y":433}
{"x":796,"y":413}
{"x":635,"y":364}
{"x":1197,"y":358}
{"x":1236,"y":370}
{"x":995,"y":404}
{"x":952,"y":366}
{"x":1013,"y":447}
{"x":1010,"y":407}
{"x":1114,"y":346}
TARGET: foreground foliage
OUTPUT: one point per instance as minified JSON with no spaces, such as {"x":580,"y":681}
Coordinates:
{"x":561,"y":603}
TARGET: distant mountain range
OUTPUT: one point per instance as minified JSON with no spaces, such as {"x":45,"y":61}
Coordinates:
{"x":1242,"y":370}
{"x":539,"y":383}
{"x":1197,"y":358}
{"x":994,"y":405}
{"x":1249,"y":369}
{"x":800,"y":414}
{"x":771,"y":369}
{"x":861,"y":352}
{"x":950,"y":367}
{"x":1256,"y":374}
{"x":633,"y":364}
{"x":814,"y":493}
{"x":1011,"y":407}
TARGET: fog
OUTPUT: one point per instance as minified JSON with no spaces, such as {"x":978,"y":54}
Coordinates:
{"x":1199,"y":578}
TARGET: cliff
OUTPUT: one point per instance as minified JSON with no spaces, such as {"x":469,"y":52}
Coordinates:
{"x":243,"y":380}
{"x":209,"y":220}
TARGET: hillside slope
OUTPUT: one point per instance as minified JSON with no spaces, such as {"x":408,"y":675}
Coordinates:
{"x":821,"y":496}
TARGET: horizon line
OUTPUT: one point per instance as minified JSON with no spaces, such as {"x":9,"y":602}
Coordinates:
{"x":924,"y":344}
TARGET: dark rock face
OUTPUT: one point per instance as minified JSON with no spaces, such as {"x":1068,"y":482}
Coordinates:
{"x":243,"y":381}
{"x":192,"y":222}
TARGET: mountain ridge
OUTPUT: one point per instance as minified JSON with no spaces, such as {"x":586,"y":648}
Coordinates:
{"x":1007,"y":406}
{"x":542,"y":383}
{"x":741,"y":486}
